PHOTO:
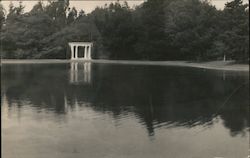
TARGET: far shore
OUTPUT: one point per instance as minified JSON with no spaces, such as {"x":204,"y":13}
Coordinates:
{"x":216,"y":65}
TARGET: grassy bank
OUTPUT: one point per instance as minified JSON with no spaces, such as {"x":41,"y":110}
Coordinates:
{"x":216,"y":65}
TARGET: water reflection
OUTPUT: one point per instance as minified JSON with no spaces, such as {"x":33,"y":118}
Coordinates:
{"x":81,"y":76}
{"x":160,"y":97}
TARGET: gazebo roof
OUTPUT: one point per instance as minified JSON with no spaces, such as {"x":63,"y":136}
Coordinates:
{"x":81,"y":43}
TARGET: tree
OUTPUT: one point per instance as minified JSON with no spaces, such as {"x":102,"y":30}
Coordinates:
{"x":9,"y":37}
{"x":235,"y":30}
{"x":151,"y":43}
{"x":2,"y":16}
{"x":191,"y":27}
{"x":15,"y":11}
{"x":72,"y":15}
{"x":57,"y":11}
{"x":22,"y":35}
{"x":155,"y":30}
{"x":118,"y":18}
{"x":38,"y":8}
{"x":81,"y":13}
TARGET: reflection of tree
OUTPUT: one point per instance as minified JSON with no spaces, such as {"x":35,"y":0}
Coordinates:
{"x":236,"y":116}
{"x":36,"y":83}
{"x":158,"y":96}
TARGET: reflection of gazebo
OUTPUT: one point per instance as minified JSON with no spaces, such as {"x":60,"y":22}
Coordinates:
{"x":80,"y":72}
{"x":74,"y":50}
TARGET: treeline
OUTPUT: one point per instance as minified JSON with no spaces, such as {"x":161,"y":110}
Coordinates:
{"x":155,"y":30}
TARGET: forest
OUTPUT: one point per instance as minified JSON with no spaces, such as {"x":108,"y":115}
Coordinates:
{"x":192,"y":30}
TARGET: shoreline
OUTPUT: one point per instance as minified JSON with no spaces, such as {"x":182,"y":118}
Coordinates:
{"x":214,"y":65}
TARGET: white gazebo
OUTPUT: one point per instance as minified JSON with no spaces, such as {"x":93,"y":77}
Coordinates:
{"x":74,"y":50}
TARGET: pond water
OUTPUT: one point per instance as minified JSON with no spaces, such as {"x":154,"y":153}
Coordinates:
{"x":87,"y":110}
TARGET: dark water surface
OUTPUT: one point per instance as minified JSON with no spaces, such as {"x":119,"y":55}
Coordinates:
{"x":84,"y":110}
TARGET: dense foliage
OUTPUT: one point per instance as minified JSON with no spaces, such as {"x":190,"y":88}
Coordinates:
{"x":155,"y":30}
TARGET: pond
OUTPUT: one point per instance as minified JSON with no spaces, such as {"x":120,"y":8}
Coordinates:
{"x":94,"y":110}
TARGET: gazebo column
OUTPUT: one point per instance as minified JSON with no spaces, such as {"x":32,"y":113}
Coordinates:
{"x":88,"y":53}
{"x":85,"y":52}
{"x":74,"y":47}
{"x":89,"y":57}
{"x":72,"y":51}
{"x":76,"y":55}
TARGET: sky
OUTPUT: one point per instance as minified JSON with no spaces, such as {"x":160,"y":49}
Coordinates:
{"x":89,"y":5}
{"x":86,"y":5}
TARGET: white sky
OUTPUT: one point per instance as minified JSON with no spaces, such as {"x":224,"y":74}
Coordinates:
{"x":89,"y":5}
{"x":86,"y":5}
